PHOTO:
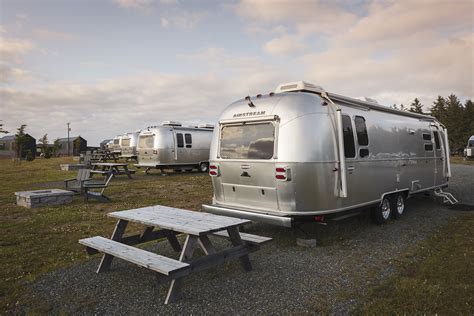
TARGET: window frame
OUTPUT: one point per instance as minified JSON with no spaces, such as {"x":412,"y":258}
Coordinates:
{"x":437,"y":140}
{"x":275,"y":124}
{"x":190,"y":143}
{"x":353,"y":137}
{"x":179,"y":140}
{"x":365,"y":130}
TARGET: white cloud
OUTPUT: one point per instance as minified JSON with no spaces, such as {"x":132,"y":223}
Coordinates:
{"x":142,"y":5}
{"x":285,"y":45}
{"x":12,"y":50}
{"x":182,"y":19}
{"x":164,"y":22}
{"x":45,"y":34}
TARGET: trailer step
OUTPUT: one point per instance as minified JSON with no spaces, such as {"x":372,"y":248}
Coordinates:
{"x":448,"y":198}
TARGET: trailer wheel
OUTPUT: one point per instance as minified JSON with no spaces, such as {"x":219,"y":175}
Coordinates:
{"x":398,"y":205}
{"x":203,"y":166}
{"x":381,"y":213}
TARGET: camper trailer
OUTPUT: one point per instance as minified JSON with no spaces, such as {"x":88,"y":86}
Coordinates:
{"x":128,"y":145}
{"x":115,"y":146}
{"x":302,"y":154}
{"x":174,"y":146}
{"x":469,"y":150}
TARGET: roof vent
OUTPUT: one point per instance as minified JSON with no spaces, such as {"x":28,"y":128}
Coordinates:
{"x":298,"y":86}
{"x":370,"y":100}
{"x":171,"y":123}
{"x":209,"y":126}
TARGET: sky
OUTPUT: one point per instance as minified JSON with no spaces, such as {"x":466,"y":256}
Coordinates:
{"x":115,"y":66}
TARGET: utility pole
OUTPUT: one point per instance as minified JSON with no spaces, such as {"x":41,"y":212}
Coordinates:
{"x":68,"y":130}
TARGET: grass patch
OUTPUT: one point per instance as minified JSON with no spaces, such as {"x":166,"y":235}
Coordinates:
{"x":436,"y":277}
{"x":461,"y":161}
{"x":35,"y":241}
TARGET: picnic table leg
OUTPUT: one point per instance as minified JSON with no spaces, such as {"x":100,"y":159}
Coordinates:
{"x":127,"y":172}
{"x":186,"y":256}
{"x":206,"y":245}
{"x":237,"y":241}
{"x":173,"y":240}
{"x":116,"y":236}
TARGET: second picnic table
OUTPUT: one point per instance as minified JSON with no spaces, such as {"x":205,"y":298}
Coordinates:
{"x":106,"y":168}
{"x":169,"y":221}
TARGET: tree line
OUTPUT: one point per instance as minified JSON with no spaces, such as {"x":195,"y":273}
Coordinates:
{"x":457,"y":117}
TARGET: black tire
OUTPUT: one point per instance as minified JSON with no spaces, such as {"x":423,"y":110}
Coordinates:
{"x":204,"y":167}
{"x":398,"y":205}
{"x":381,"y":213}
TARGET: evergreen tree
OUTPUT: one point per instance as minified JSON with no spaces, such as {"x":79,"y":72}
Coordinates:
{"x":454,"y":122}
{"x":438,"y":109}
{"x":2,"y":131}
{"x":44,"y":145}
{"x":416,"y":106}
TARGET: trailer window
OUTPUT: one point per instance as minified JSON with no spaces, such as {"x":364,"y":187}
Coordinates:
{"x":426,"y":136}
{"x":436,"y":138}
{"x":116,"y":141}
{"x":429,"y":147}
{"x":126,"y":142}
{"x":349,"y":146}
{"x":247,"y":141}
{"x":189,"y":140}
{"x":361,"y":131}
{"x":179,"y":140}
{"x":145,"y":141}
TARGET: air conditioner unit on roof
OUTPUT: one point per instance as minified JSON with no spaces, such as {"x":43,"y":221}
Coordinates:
{"x":171,"y":123}
{"x":298,"y":86}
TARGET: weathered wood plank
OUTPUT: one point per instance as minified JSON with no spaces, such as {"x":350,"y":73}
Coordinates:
{"x":248,"y":238}
{"x":164,"y":265}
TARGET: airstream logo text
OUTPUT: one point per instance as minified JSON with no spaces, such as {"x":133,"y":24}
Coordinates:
{"x":246,"y":114}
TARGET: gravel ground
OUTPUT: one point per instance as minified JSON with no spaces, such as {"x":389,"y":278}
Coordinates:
{"x":352,"y":256}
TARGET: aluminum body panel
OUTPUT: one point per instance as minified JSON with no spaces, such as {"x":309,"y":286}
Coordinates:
{"x":129,"y":150}
{"x":306,"y":144}
{"x":165,"y":150}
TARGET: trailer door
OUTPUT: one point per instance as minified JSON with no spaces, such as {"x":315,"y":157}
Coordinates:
{"x":440,"y":159}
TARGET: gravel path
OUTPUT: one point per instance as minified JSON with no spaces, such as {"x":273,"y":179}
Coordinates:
{"x":352,"y":256}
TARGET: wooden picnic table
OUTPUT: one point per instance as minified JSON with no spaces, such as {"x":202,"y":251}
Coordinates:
{"x":196,"y":226}
{"x":107,"y":168}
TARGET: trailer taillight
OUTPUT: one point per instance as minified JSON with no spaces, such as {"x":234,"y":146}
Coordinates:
{"x":213,"y":170}
{"x":283,"y":173}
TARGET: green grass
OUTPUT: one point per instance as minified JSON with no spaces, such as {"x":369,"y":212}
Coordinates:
{"x":436,"y":276}
{"x":460,"y":160}
{"x":35,"y":241}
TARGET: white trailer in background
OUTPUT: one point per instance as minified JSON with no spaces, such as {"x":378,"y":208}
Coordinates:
{"x":128,"y":145}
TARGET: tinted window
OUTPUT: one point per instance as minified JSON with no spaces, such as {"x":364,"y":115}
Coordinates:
{"x":361,"y":131}
{"x":116,"y":141}
{"x":189,"y":140}
{"x":249,"y":141}
{"x":145,"y":141}
{"x":179,"y":139}
{"x":2,"y":146}
{"x":363,"y":152}
{"x":428,"y":147}
{"x":436,"y":138}
{"x":426,"y":136}
{"x":126,"y":142}
{"x":349,"y":146}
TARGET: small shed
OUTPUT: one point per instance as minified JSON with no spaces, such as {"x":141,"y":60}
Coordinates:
{"x":77,"y":144}
{"x":8,"y":146}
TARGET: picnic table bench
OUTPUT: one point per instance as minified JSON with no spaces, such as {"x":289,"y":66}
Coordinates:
{"x":107,"y":168}
{"x":169,"y":222}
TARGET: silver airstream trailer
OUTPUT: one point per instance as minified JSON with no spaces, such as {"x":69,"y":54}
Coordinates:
{"x":173,"y":146}
{"x":115,"y":146}
{"x":469,"y":150}
{"x":304,"y":154}
{"x":128,"y":145}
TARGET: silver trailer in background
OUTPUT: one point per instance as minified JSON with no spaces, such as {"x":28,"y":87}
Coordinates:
{"x":174,"y":146}
{"x":115,"y":146}
{"x":302,"y":154}
{"x":128,"y":145}
{"x":469,"y":150}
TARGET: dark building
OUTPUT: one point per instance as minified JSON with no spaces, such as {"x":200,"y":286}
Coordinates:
{"x":8,"y":146}
{"x":77,"y":144}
